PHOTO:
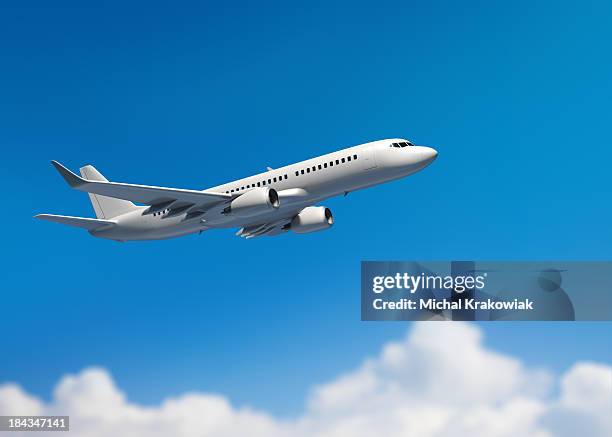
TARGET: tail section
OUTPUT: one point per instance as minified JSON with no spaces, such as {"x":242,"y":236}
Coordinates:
{"x":80,"y":222}
{"x":105,"y":207}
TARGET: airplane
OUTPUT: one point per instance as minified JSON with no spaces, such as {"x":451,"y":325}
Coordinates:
{"x":271,"y":203}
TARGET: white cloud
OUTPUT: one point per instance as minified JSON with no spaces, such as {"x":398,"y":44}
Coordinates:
{"x":13,"y":400}
{"x":585,"y":404}
{"x":587,"y":387}
{"x":439,"y":381}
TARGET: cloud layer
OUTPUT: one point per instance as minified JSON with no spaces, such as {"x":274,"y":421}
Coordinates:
{"x":439,"y":381}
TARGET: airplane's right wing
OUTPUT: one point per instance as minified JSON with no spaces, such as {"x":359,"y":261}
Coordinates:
{"x":271,"y":228}
{"x":300,"y":221}
{"x":157,"y":197}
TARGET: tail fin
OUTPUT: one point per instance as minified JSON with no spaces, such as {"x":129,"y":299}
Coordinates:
{"x":105,"y":207}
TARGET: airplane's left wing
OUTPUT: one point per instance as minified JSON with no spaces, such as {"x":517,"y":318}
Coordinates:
{"x":149,"y":195}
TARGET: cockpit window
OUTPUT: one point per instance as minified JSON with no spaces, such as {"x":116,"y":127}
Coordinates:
{"x":404,"y":144}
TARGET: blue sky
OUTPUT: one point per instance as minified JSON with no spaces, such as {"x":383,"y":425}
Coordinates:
{"x":515,"y":97}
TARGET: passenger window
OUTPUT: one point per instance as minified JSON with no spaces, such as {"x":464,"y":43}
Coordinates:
{"x":308,"y":170}
{"x":264,"y":182}
{"x":325,"y":165}
{"x":302,"y":171}
{"x":355,"y":157}
{"x":274,"y":179}
{"x":286,"y":177}
{"x":258,"y":184}
{"x":337,"y":162}
{"x":297,"y":173}
{"x":319,"y":166}
{"x":331,"y":164}
{"x":349,"y":158}
{"x":343,"y":160}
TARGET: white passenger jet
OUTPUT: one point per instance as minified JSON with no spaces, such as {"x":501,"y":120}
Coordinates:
{"x":269,"y":203}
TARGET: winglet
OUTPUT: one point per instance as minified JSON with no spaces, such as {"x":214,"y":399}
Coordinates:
{"x":73,"y":180}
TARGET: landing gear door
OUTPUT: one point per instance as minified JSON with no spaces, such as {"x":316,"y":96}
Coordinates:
{"x":368,"y":158}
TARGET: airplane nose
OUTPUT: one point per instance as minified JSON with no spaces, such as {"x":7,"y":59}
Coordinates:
{"x":431,"y":154}
{"x":409,"y":159}
{"x":427,"y":154}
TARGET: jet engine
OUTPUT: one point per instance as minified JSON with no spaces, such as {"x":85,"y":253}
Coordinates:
{"x":253,"y":202}
{"x":312,"y":219}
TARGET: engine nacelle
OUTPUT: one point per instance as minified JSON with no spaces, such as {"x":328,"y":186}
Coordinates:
{"x":312,"y":219}
{"x":253,"y":202}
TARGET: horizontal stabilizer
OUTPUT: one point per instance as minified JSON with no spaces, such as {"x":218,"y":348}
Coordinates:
{"x":80,"y":222}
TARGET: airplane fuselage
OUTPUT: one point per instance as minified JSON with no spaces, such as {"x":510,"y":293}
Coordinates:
{"x":298,"y":186}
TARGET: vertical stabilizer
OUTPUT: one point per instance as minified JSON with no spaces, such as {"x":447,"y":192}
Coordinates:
{"x":105,"y":207}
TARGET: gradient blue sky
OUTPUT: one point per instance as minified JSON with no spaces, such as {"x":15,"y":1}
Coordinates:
{"x":515,"y":96}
